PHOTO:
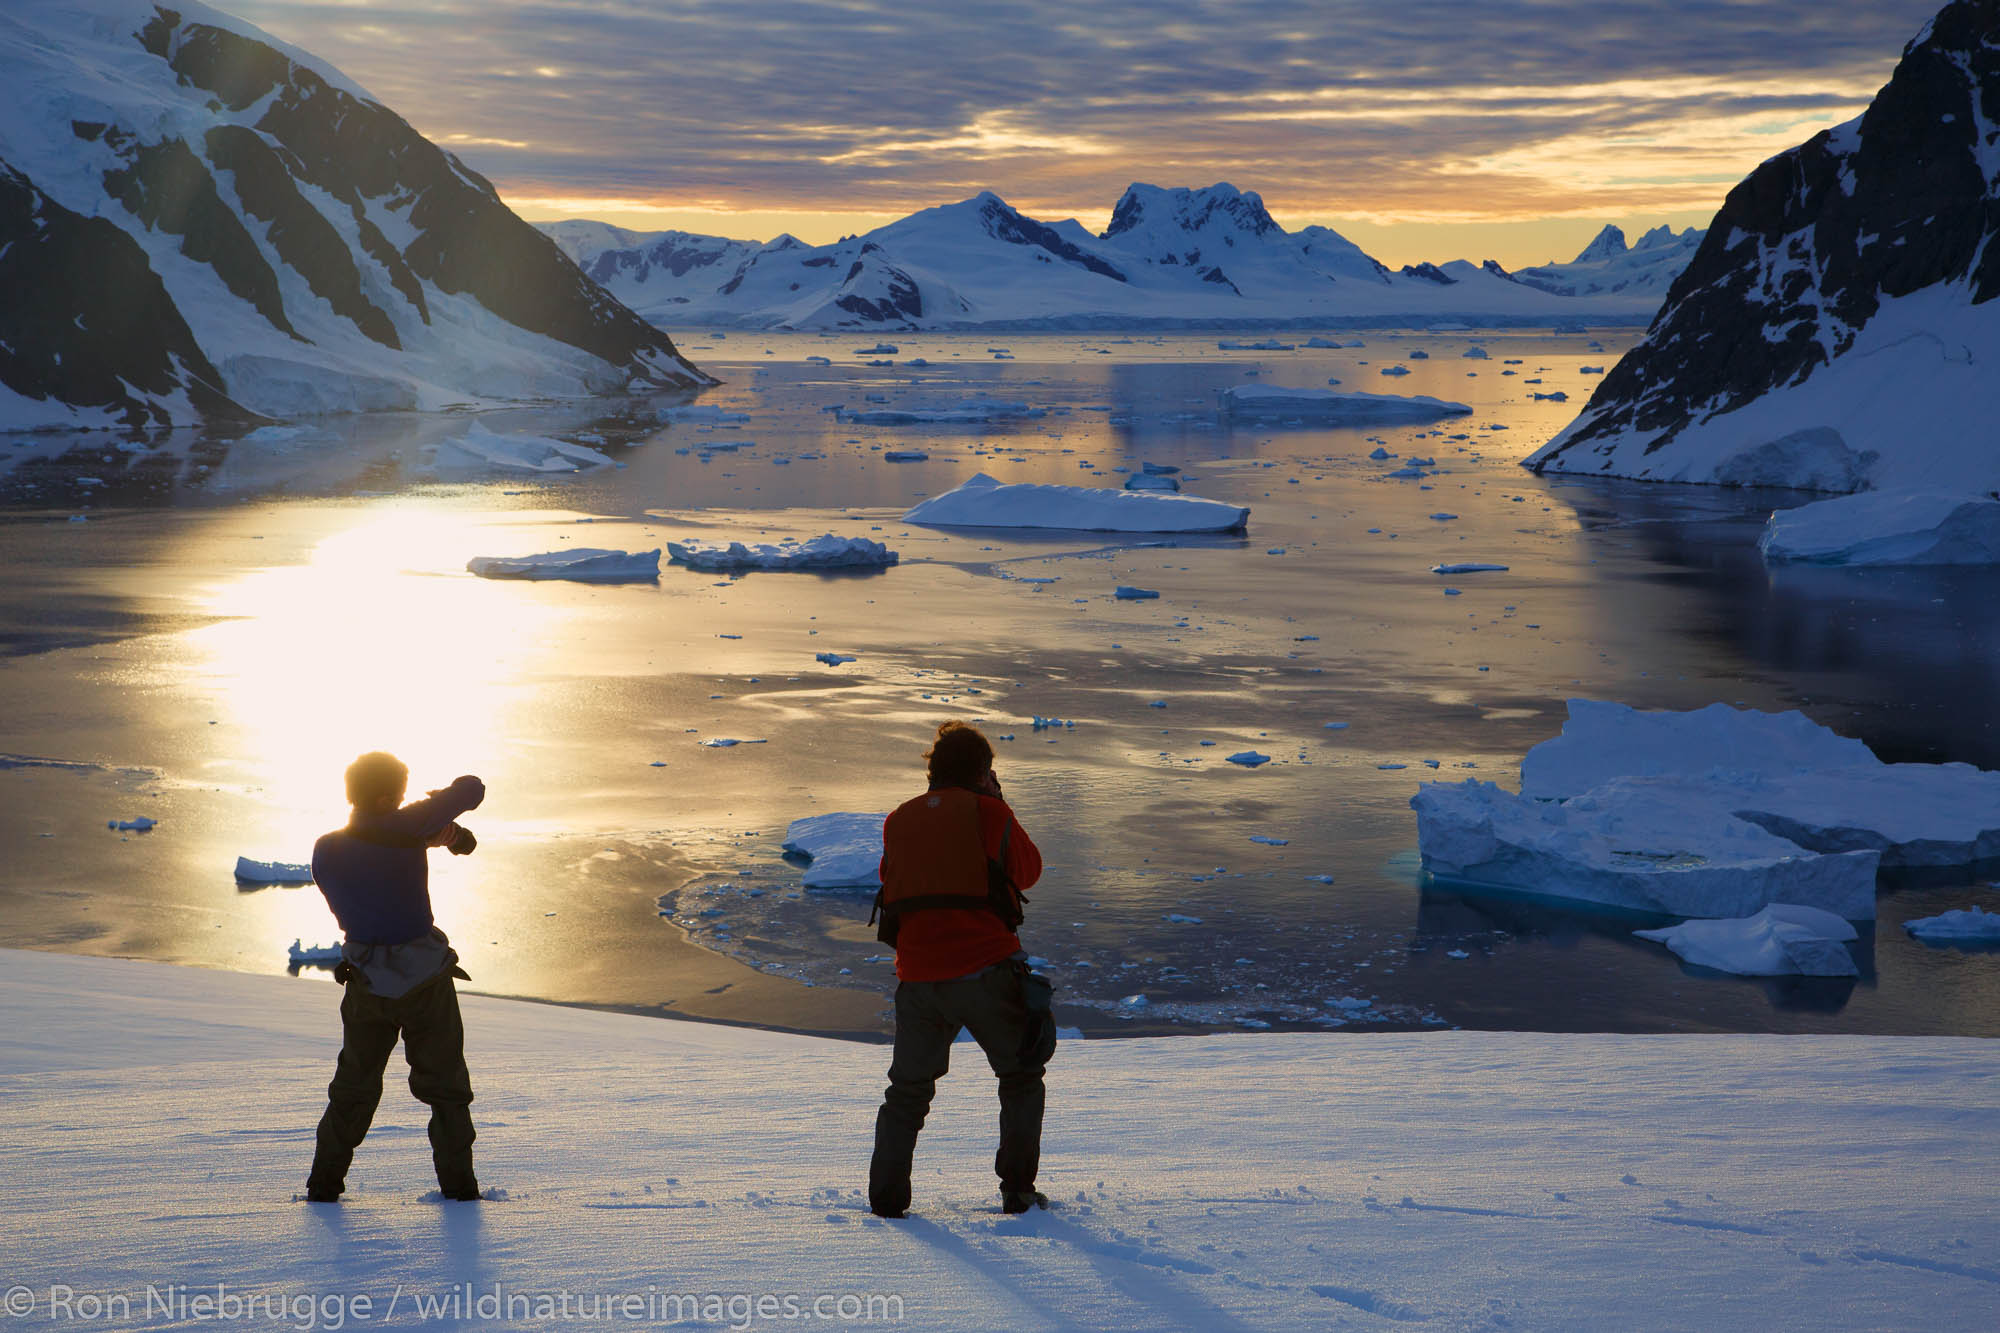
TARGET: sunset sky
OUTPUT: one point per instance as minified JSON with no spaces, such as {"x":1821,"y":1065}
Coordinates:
{"x":1421,"y":129}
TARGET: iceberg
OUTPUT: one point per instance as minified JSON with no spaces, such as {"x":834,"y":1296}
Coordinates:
{"x":986,"y":502}
{"x":1781,"y":940}
{"x":480,"y":448}
{"x":1152,"y":481}
{"x":826,"y":552}
{"x":964,"y":412}
{"x":1469,"y":567}
{"x":271,"y":872}
{"x":1268,"y":402}
{"x":582,"y":565}
{"x":1127,"y":593}
{"x":1886,"y":528}
{"x":1963,"y":924}
{"x":1632,"y":843}
{"x":844,"y":849}
{"x":313,"y":955}
{"x":1783,"y":772}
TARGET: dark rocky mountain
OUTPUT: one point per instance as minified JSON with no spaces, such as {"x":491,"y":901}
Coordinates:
{"x":215,"y":227}
{"x":1837,"y":320}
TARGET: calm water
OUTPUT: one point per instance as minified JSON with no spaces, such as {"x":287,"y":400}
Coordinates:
{"x":235,"y":620}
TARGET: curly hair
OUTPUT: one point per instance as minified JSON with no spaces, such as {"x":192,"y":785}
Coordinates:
{"x":960,"y":756}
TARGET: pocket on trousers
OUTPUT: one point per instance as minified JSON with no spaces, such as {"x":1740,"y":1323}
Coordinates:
{"x":1038,"y":1042}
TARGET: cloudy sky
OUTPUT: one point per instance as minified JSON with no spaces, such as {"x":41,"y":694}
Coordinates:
{"x":1423,"y":129}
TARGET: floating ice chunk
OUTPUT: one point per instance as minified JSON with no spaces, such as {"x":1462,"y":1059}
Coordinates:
{"x":833,"y":659}
{"x":844,"y":849}
{"x":1443,"y":517}
{"x":726,"y":742}
{"x":1127,"y":593}
{"x":1652,"y":844}
{"x":1378,"y":453}
{"x":1269,"y":841}
{"x":1351,"y":1003}
{"x":1887,"y":528}
{"x":1781,"y":940}
{"x":481,"y":448}
{"x":141,"y":824}
{"x":1039,"y":723}
{"x":709,"y":413}
{"x":1467,"y":567}
{"x":1557,"y":397}
{"x":1249,"y":758}
{"x":1180,"y":919}
{"x":1266,"y":345}
{"x":905,"y":456}
{"x":1158,"y":469}
{"x":582,"y":565}
{"x":1408,"y":472}
{"x":985,"y":502}
{"x":825,"y":552}
{"x":963,"y":411}
{"x":313,"y":955}
{"x":1961,"y":924}
{"x":879,"y":349}
{"x":1590,"y":370}
{"x":1149,"y":481}
{"x":1474,"y":354}
{"x":819,"y":360}
{"x":1134,"y":1002}
{"x":1338,"y":726}
{"x":1395,"y":370}
{"x":272,"y":872}
{"x":1602,"y":740}
{"x":1417,"y":354}
{"x":1276,"y":403}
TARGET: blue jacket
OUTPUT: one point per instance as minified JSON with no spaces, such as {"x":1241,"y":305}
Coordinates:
{"x":375,"y":873}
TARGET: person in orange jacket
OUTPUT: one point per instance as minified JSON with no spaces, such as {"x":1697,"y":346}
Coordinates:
{"x":955,"y":863}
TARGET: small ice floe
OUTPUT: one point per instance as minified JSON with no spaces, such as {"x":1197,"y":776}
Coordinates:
{"x":313,"y":955}
{"x":1270,"y":841}
{"x":1040,"y":723}
{"x":1274,"y":403}
{"x":986,"y":502}
{"x":1338,"y":726}
{"x":879,"y":349}
{"x":1319,"y":879}
{"x":843,"y":849}
{"x":1352,"y":1004}
{"x":1590,"y":370}
{"x":1395,"y":370}
{"x":1378,"y":453}
{"x":1468,"y":567}
{"x":1886,"y":528}
{"x":1151,"y":481}
{"x":140,"y":824}
{"x":1970,"y":923}
{"x":956,"y":412}
{"x":709,"y":413}
{"x":1474,"y":354}
{"x":1416,"y":354}
{"x":271,"y":872}
{"x":582,"y":565}
{"x":1443,"y":517}
{"x":1249,"y":758}
{"x":1408,"y":472}
{"x":825,"y":552}
{"x":1781,"y":940}
{"x":833,"y":659}
{"x":480,"y":448}
{"x":1557,"y":397}
{"x":1456,"y":953}
{"x":1127,"y":593}
{"x":1266,"y":345}
{"x":819,"y":360}
{"x":726,"y":742}
{"x":1158,"y":469}
{"x":1180,"y":919}
{"x":905,"y":456}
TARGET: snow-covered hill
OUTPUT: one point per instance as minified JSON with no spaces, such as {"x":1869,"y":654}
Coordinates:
{"x":1607,"y":265}
{"x":1836,"y":329}
{"x":1170,"y":257}
{"x":156,"y":1125}
{"x":197,"y":222}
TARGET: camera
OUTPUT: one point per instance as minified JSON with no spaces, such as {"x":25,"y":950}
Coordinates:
{"x":462,"y":842}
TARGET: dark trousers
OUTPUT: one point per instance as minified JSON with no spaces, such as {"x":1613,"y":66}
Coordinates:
{"x":929,"y":1015}
{"x":433,"y":1037}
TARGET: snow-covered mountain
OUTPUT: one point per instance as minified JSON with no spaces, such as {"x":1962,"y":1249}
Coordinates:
{"x":1836,"y":330}
{"x":1607,"y":265}
{"x":1169,"y":257}
{"x":199,"y":223}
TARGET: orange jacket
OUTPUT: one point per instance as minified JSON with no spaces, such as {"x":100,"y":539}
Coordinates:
{"x":939,"y":843}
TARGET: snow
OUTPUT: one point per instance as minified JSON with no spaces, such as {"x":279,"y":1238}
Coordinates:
{"x":1781,"y":940}
{"x":480,"y":447}
{"x":829,"y":551}
{"x":581,"y":565}
{"x":986,"y":502}
{"x":1265,"y":402}
{"x":1602,"y":740}
{"x":844,"y":848}
{"x":272,"y":872}
{"x":1632,"y":843}
{"x":1887,"y":528}
{"x":1776,"y":1182}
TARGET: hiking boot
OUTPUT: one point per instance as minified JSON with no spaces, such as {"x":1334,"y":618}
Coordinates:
{"x":464,"y":1194}
{"x":884,"y":1210}
{"x":1020,"y":1201}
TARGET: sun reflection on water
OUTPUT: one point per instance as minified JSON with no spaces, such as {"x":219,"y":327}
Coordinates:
{"x":376,"y":641}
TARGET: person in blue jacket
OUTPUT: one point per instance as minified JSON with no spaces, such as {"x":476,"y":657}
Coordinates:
{"x":397,"y":969}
